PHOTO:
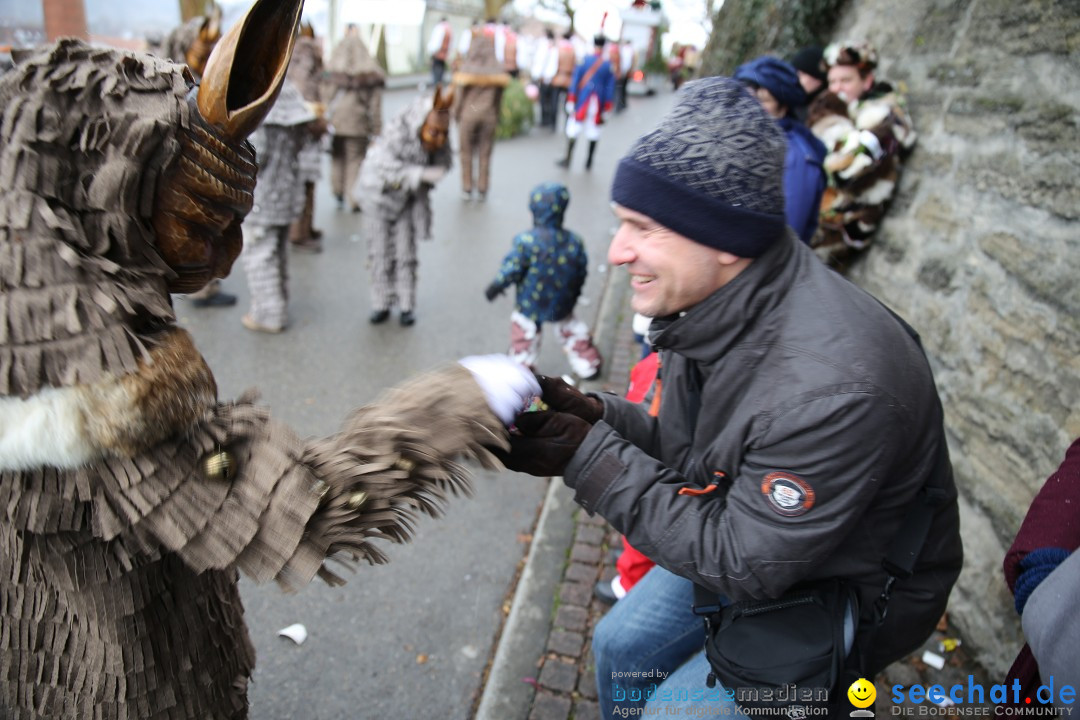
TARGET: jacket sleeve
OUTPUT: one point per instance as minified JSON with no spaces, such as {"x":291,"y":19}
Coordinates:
{"x":804,"y":184}
{"x":609,"y":90}
{"x":572,"y":91}
{"x":514,"y":265}
{"x":285,"y":506}
{"x":737,"y":542}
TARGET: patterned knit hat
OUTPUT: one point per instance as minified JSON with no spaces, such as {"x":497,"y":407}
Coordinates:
{"x":712,"y":171}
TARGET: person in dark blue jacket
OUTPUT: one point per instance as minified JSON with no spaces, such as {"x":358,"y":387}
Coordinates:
{"x":548,"y":265}
{"x":775,"y":83}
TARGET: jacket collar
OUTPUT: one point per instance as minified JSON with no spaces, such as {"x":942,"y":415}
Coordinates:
{"x":709,"y":329}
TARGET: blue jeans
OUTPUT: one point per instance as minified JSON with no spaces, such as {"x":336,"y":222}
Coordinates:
{"x":649,"y":651}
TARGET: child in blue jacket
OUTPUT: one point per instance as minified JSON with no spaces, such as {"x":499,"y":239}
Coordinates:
{"x":548,"y":265}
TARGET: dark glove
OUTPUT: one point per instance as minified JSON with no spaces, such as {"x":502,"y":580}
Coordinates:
{"x":493,"y":291}
{"x":563,"y":397}
{"x":543,"y":443}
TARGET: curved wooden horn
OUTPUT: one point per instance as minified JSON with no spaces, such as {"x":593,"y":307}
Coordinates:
{"x":244,"y":73}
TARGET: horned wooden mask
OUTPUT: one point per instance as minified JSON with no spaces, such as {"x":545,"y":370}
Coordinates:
{"x":436,"y":127}
{"x":207,"y":191}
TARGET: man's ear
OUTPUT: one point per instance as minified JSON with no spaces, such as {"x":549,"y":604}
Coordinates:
{"x":244,"y":74}
{"x":725,"y":258}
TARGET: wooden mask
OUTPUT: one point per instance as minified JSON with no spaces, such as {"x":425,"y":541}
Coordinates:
{"x":208,"y":189}
{"x":436,"y":128}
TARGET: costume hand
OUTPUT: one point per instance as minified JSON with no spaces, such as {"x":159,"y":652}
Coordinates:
{"x":508,"y":386}
{"x":432,"y":174}
{"x":545,"y":442}
{"x":493,"y":291}
{"x":318,"y":127}
{"x":563,"y":397}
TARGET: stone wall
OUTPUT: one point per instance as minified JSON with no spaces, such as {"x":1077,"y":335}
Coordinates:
{"x":981,"y":253}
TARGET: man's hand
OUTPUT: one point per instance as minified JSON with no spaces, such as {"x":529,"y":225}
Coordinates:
{"x":544,"y":443}
{"x":563,"y":397}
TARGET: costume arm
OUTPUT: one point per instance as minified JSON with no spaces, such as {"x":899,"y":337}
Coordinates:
{"x":288,"y":505}
{"x":735,"y":542}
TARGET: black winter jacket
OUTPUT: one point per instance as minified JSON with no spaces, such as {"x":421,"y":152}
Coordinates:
{"x":815,"y":413}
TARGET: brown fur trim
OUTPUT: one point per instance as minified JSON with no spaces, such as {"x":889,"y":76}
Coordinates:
{"x":492,"y":80}
{"x":167,"y":395}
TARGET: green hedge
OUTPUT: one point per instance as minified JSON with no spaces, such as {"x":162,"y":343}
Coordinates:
{"x":516,"y":113}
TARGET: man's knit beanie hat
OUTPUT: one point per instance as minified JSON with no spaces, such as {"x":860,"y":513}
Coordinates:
{"x":810,"y":60}
{"x":712,"y":171}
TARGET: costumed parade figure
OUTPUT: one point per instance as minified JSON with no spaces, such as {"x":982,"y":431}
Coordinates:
{"x":591,"y":97}
{"x":192,"y":42}
{"x":548,"y":264}
{"x":864,"y":163}
{"x":480,"y":83}
{"x":130,"y":497}
{"x":394,"y":190}
{"x":305,"y":72}
{"x":278,"y":204}
{"x":353,"y":94}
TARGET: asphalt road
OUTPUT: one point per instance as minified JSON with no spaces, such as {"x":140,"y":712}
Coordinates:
{"x":409,"y":639}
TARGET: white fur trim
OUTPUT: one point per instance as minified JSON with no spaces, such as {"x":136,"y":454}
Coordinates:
{"x":46,"y":429}
{"x":860,"y":163}
{"x":877,"y":193}
{"x":872,"y":114}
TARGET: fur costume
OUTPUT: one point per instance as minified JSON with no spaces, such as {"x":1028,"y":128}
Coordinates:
{"x":130,"y":497}
{"x":866,"y":141}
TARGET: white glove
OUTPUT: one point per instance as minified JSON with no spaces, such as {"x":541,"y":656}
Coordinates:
{"x":432,"y":174}
{"x":508,"y":386}
{"x":569,"y":108}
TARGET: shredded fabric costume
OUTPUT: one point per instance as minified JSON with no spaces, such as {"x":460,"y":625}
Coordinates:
{"x":353,"y":96}
{"x":397,"y":205}
{"x":130,"y":497}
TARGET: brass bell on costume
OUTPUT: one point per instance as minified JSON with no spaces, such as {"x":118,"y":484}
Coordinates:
{"x":219,"y":465}
{"x":357,"y":500}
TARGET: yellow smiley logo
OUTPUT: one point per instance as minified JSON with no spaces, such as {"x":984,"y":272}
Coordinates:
{"x":862,"y":693}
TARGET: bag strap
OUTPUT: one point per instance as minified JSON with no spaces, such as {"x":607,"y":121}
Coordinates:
{"x":588,"y":75}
